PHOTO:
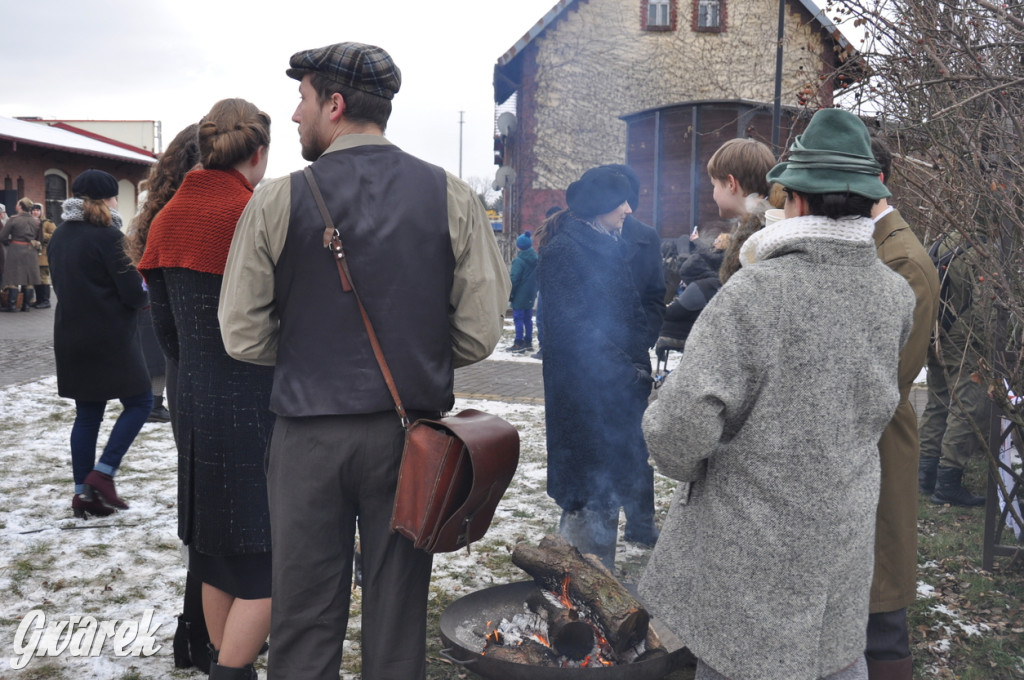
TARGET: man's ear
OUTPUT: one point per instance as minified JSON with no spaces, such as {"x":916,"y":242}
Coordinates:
{"x":733,"y":184}
{"x":336,"y":107}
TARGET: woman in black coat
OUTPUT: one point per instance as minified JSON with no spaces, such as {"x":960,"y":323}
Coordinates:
{"x":596,"y":363}
{"x":96,"y":336}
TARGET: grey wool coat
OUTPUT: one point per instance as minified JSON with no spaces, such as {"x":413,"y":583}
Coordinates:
{"x":774,"y":413}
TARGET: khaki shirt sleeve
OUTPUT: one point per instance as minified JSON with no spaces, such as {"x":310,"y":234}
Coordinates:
{"x":480,"y":290}
{"x":247,"y":311}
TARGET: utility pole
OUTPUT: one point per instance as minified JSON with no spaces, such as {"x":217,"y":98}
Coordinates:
{"x":777,"y":110}
{"x":461,"y":122}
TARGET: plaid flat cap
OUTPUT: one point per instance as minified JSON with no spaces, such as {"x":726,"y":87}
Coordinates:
{"x":364,"y":67}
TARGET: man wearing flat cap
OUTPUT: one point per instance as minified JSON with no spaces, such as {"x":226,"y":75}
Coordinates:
{"x":423,"y":257}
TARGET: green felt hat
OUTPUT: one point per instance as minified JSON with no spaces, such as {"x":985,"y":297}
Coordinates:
{"x":832,"y":156}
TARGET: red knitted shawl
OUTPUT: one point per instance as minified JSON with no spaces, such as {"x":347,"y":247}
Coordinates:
{"x":194,"y":230}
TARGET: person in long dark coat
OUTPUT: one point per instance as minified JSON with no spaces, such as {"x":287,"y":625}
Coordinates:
{"x":643,"y":255}
{"x":96,"y":336}
{"x":221,"y":406}
{"x":596,"y":362}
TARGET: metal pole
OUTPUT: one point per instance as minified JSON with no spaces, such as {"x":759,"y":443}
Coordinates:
{"x":460,"y":143}
{"x":777,"y":110}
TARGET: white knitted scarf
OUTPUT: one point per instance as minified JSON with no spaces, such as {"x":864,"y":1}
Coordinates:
{"x":767,"y":240}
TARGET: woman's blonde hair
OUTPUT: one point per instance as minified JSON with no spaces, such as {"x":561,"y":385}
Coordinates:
{"x":231,"y":132}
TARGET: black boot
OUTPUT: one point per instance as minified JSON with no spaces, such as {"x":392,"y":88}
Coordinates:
{"x":191,"y":639}
{"x":159,"y":414}
{"x":27,"y":298}
{"x":949,"y":489}
{"x":12,"y":301}
{"x":218,"y":672}
{"x":42,"y":296}
{"x":926,"y":471}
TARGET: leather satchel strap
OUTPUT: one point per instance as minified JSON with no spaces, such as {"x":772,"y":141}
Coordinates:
{"x":332,"y":241}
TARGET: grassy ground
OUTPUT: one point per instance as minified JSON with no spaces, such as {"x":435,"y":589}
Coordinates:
{"x":973,"y":625}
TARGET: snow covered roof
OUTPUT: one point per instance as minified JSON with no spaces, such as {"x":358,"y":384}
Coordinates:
{"x":54,"y":137}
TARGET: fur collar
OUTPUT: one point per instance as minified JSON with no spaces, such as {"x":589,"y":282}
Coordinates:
{"x":763,"y":243}
{"x":72,"y":210}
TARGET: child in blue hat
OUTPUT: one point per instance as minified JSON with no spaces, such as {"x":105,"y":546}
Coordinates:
{"x":524,"y":293}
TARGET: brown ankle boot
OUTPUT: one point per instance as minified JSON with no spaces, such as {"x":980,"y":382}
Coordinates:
{"x":102,"y":486}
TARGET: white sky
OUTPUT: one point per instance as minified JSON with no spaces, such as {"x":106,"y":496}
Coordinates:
{"x":170,"y":60}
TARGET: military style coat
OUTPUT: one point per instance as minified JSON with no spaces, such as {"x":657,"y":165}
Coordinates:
{"x":894,"y":585}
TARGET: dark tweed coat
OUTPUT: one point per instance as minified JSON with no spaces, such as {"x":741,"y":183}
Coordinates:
{"x":787,"y":381}
{"x":99,"y":298}
{"x":596,"y":367}
{"x":222,"y":419}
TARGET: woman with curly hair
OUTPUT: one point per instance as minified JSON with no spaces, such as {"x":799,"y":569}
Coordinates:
{"x":221,"y":415}
{"x":191,"y":640}
{"x":164,"y":178}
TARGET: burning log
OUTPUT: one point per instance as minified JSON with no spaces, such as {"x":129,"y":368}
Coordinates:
{"x":528,"y":651}
{"x":569,"y":635}
{"x":558,"y":566}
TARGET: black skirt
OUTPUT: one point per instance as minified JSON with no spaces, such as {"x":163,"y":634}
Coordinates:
{"x":243,"y":576}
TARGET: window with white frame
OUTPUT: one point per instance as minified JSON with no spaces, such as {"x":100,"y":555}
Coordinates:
{"x":659,"y":13}
{"x":708,"y":15}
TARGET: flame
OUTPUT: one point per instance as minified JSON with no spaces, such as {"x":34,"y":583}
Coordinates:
{"x":541,"y":639}
{"x":564,"y":597}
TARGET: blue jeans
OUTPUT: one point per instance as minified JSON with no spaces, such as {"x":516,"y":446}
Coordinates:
{"x":523,"y":320}
{"x":86,"y":430}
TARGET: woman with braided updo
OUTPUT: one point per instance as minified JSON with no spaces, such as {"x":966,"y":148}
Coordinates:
{"x":222,"y":419}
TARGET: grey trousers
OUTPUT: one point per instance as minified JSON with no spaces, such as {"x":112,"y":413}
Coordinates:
{"x":325,"y":476}
{"x":858,"y":671}
{"x":888,"y":636}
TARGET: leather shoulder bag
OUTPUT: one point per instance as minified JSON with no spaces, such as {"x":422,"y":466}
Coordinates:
{"x":454,"y":469}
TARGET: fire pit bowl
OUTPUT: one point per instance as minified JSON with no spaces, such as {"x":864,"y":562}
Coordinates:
{"x":464,"y":618}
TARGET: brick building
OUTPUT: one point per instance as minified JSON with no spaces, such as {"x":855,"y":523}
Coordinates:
{"x":40,"y":160}
{"x":657,"y":84}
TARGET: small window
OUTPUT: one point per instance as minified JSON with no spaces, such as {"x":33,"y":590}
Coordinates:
{"x":56,"y":193}
{"x":659,"y":15}
{"x":708,"y":15}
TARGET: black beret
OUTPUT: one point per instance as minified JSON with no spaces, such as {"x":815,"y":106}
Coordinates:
{"x":599,"y":191}
{"x":363,"y":67}
{"x":95,"y":184}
